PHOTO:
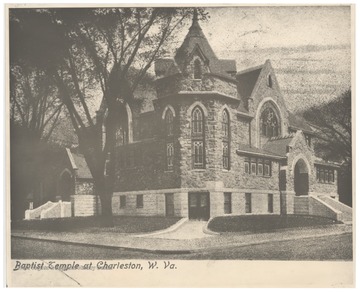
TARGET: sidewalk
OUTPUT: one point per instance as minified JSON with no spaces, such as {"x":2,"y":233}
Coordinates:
{"x":178,"y":244}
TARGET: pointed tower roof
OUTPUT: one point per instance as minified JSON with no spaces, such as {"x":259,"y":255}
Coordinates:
{"x":196,"y":40}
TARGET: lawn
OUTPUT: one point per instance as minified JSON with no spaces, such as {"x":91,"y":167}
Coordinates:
{"x":122,"y":224}
{"x":325,"y":248}
{"x":255,"y":223}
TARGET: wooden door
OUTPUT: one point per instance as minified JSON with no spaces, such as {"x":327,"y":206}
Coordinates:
{"x":199,"y":206}
{"x":169,"y":205}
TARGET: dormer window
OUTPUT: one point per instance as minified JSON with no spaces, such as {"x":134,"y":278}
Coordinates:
{"x":269,"y":81}
{"x":197,"y":69}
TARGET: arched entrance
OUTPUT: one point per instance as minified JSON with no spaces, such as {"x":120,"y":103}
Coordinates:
{"x":66,"y":185}
{"x":301,"y":178}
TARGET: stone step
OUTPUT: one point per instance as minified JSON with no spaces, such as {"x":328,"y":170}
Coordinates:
{"x":344,"y":209}
{"x":301,"y":205}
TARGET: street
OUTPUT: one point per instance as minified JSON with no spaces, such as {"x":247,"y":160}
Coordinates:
{"x":335,"y":247}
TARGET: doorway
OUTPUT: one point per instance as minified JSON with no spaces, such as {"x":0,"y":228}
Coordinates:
{"x":169,"y":205}
{"x":199,"y":206}
{"x":66,"y":185}
{"x":301,"y":178}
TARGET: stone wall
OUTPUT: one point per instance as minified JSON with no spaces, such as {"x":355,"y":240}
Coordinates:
{"x":85,"y":205}
{"x":153,"y":204}
{"x":209,"y":82}
{"x":148,"y":168}
{"x":259,"y":203}
{"x":330,"y":189}
{"x":84,"y":187}
{"x":213,"y":170}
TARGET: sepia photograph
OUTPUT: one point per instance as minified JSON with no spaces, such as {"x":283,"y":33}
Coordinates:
{"x":151,"y":142}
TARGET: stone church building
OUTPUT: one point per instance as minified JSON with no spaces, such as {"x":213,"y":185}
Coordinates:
{"x":216,"y":141}
{"x":205,"y":140}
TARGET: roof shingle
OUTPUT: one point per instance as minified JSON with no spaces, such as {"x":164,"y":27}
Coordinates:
{"x":247,"y":81}
{"x":278,"y":145}
{"x":195,"y":39}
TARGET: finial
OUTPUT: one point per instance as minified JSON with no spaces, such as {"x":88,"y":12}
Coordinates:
{"x":195,"y":16}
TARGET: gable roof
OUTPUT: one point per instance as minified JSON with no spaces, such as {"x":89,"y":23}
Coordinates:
{"x":247,"y":80}
{"x":79,"y":165}
{"x":166,"y":67}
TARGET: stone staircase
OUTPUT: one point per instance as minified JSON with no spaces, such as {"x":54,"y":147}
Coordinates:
{"x":49,"y":210}
{"x":346,"y":211}
{"x":301,"y":205}
{"x":324,"y":206}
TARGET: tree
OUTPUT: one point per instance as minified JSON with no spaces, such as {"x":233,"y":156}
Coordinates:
{"x":34,"y":113}
{"x":34,"y":103}
{"x":332,"y":123}
{"x":89,"y":52}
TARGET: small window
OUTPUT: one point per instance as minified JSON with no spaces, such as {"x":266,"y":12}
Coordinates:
{"x":227,"y":203}
{"x":253,"y":167}
{"x":326,"y":176}
{"x":247,"y":166}
{"x":248,"y":203}
{"x":197,"y":69}
{"x":331,"y":175}
{"x":260,"y":167}
{"x":321,"y":175}
{"x":122,"y":201}
{"x":169,"y":156}
{"x":225,"y":124}
{"x":226,"y":160}
{"x":269,"y":81}
{"x":267,"y":168}
{"x":139,"y":201}
{"x":270,"y":203}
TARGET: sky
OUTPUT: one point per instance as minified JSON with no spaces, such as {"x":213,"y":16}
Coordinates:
{"x":308,"y":46}
{"x":279,"y":26}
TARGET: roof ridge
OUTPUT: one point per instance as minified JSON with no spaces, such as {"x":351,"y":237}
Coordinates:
{"x":290,"y":135}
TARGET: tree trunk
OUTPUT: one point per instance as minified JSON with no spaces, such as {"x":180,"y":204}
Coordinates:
{"x":102,"y":190}
{"x":106,"y":210}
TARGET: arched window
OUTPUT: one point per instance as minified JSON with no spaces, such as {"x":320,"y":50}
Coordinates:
{"x":169,"y":123}
{"x":269,"y":123}
{"x":197,"y":121}
{"x":121,"y":133}
{"x":198,"y":135}
{"x":226,"y":139}
{"x":169,"y":140}
{"x":197,"y":69}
